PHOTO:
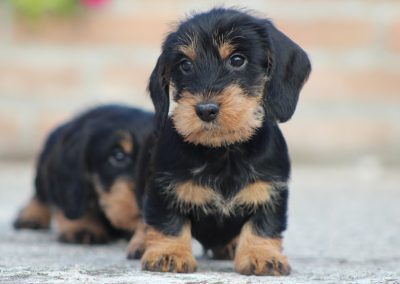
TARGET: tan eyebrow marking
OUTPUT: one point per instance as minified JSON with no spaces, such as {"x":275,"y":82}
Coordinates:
{"x":225,"y":49}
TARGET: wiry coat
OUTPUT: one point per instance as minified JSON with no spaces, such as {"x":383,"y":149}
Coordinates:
{"x":219,"y":166}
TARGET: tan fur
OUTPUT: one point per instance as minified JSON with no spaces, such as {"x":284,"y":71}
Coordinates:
{"x":35,"y":212}
{"x":189,"y":196}
{"x":127,"y":145}
{"x":225,"y":49}
{"x":136,"y":244}
{"x":188,"y":192}
{"x":189,"y":50}
{"x":126,"y":142}
{"x":120,"y":205}
{"x":239,"y":116}
{"x":259,"y":256}
{"x":255,"y":194}
{"x":69,"y":228}
{"x":168,"y":253}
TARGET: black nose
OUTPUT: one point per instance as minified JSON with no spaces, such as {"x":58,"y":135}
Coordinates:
{"x":207,"y":111}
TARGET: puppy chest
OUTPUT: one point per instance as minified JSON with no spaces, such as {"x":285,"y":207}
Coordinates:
{"x":190,"y":197}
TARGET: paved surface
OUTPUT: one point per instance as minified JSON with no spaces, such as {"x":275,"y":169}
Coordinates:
{"x":344,"y":227}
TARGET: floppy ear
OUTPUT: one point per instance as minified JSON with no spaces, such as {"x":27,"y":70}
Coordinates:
{"x":70,"y":188}
{"x":159,"y":92}
{"x":289,"y":69}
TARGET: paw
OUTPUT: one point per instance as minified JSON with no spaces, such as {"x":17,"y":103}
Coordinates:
{"x":34,"y":216}
{"x":161,"y":262}
{"x":135,"y":254}
{"x":32,"y":224}
{"x":83,"y":236}
{"x":225,"y":253}
{"x":136,"y":244}
{"x":263,"y":264}
{"x":135,"y":248}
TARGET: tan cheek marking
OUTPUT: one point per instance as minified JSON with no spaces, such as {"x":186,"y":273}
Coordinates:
{"x":184,"y":115}
{"x":168,"y":253}
{"x":239,"y":117}
{"x":258,"y":255}
{"x":237,"y":111}
{"x":191,"y":193}
{"x":255,"y":194}
{"x":120,"y":205}
{"x":225,"y":49}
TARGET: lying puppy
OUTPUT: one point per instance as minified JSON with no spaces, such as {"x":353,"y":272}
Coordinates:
{"x":85,"y":177}
{"x":219,"y":167}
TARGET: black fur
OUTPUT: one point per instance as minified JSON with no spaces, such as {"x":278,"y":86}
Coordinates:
{"x":83,"y":147}
{"x":229,"y":168}
{"x":271,"y":53}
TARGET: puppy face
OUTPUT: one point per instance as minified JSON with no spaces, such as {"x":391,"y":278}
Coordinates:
{"x":112,"y":166}
{"x":226,"y":71}
{"x":111,"y":157}
{"x":219,"y":78}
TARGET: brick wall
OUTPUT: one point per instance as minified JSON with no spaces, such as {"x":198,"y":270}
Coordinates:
{"x":349,"y":110}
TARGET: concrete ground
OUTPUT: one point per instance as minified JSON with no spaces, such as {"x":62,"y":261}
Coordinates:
{"x":344,"y":227}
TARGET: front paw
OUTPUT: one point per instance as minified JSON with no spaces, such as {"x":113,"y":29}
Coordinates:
{"x":263,"y":264}
{"x":136,"y":244}
{"x":83,"y":236}
{"x":85,"y":230}
{"x":179,"y":262}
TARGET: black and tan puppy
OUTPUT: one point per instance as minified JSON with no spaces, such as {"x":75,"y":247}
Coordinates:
{"x":219,"y":167}
{"x":85,"y":177}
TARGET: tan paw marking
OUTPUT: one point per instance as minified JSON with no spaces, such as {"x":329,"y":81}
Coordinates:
{"x":256,"y":255}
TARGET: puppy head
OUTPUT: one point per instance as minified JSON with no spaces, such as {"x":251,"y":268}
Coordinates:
{"x":90,"y":153}
{"x":227,"y":71}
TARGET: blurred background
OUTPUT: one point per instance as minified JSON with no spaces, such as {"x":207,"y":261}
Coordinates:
{"x":58,"y":57}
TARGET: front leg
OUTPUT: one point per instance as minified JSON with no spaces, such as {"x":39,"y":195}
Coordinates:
{"x":136,"y":244}
{"x":259,"y":248}
{"x":169,"y":253}
{"x":168,"y":237}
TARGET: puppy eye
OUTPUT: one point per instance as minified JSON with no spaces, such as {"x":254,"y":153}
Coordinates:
{"x":237,"y":60}
{"x":186,"y":66}
{"x":119,"y":158}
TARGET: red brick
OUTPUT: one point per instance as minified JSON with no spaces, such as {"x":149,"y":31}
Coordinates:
{"x":335,"y":136}
{"x":127,"y":75}
{"x":96,"y":28}
{"x":9,"y":130}
{"x":125,"y":83}
{"x":394,"y":37}
{"x":28,"y":80}
{"x":369,"y":84}
{"x":331,"y":34}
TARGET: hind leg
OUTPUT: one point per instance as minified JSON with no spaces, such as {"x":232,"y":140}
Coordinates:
{"x":35,"y":215}
{"x":226,"y":252}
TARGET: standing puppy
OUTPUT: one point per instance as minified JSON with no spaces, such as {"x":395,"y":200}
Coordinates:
{"x":85,"y":177}
{"x":220,"y":164}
